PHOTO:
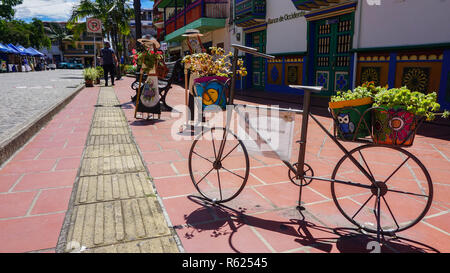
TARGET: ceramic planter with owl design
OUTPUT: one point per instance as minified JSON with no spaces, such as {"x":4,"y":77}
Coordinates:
{"x":352,"y":120}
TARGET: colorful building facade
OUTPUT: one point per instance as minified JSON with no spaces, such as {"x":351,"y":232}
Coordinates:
{"x":340,"y":44}
{"x":208,"y":16}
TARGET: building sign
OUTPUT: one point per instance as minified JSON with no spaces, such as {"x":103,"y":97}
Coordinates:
{"x":94,"y":25}
{"x":286,"y":17}
{"x":163,"y":46}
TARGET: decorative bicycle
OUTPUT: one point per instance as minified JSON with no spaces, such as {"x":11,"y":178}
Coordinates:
{"x":219,"y":167}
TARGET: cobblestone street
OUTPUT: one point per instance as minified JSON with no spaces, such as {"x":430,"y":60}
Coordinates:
{"x":24,"y":96}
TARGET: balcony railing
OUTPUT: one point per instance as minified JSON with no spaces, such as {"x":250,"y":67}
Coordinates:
{"x":196,"y":10}
{"x":250,"y":12}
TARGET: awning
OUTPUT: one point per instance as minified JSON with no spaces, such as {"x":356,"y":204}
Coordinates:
{"x":5,"y":49}
{"x":16,"y":51}
{"x":202,"y":24}
{"x":23,"y":50}
{"x":35,"y":52}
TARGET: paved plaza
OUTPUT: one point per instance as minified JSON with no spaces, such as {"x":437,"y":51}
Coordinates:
{"x":25,"y":96}
{"x":95,"y":177}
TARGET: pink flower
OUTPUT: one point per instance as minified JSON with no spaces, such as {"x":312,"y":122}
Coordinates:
{"x":401,"y":123}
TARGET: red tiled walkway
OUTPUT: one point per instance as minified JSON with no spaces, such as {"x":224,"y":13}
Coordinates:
{"x":36,"y":184}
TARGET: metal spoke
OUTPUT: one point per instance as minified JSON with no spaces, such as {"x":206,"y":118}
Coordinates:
{"x":223,"y":158}
{"x":362,"y":206}
{"x":233,"y":172}
{"x":220,"y":187}
{"x":202,"y":157}
{"x":410,"y":193}
{"x":392,"y":214}
{"x":365,"y":162}
{"x":396,"y":170}
{"x":214,"y":146}
{"x":204,"y":177}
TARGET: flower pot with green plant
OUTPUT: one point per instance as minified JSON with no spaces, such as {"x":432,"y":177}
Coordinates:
{"x":350,"y":111}
{"x":100,"y":74}
{"x":398,"y":113}
{"x":90,"y":75}
{"x":211,"y":75}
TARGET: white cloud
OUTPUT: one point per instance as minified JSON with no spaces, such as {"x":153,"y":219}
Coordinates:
{"x":45,"y":9}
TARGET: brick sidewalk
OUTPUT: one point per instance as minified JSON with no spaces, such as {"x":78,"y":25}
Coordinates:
{"x":36,"y":184}
{"x":271,"y":222}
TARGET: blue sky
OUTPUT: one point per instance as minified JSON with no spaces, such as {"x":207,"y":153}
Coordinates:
{"x":53,"y":10}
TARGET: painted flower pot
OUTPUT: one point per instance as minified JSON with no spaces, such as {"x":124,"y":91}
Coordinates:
{"x":394,"y":126}
{"x":348,"y":114}
{"x":213,"y":91}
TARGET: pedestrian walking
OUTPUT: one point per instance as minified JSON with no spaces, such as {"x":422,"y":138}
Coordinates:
{"x":109,"y":61}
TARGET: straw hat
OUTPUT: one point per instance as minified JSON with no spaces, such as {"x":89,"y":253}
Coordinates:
{"x":149,"y":42}
{"x":192,"y":32}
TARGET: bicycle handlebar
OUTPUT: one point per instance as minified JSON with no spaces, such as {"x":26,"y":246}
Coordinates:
{"x":253,"y":51}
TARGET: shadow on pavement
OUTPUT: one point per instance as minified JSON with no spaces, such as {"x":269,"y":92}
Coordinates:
{"x":303,"y":231}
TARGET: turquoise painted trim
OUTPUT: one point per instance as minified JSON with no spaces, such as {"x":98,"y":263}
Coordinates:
{"x":399,"y":48}
{"x":202,"y":24}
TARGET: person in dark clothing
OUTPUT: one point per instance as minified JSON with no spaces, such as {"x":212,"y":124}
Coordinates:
{"x":109,"y":62}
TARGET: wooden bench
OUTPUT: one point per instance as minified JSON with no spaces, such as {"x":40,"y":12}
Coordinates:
{"x":164,"y":85}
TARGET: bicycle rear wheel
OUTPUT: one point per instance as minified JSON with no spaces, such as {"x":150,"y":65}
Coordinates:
{"x":218,"y":179}
{"x":405,"y":189}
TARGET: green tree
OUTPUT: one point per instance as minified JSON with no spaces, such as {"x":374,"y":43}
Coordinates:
{"x":25,"y":34}
{"x":114,"y":14}
{"x":7,"y":8}
{"x":58,"y":33}
{"x":38,"y":37}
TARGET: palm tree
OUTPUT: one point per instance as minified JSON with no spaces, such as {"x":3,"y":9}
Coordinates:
{"x":58,"y":33}
{"x":137,"y":18}
{"x":114,"y":14}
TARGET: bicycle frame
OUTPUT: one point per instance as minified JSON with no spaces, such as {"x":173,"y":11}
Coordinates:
{"x":298,"y":169}
{"x":306,"y":113}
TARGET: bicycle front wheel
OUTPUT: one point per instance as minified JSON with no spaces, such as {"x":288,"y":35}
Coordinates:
{"x":402,"y":192}
{"x":218,"y":179}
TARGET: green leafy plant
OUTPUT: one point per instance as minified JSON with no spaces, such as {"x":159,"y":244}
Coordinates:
{"x":417,"y":103}
{"x":130,"y":69}
{"x":100,"y":72}
{"x":366,"y":90}
{"x":90,"y":74}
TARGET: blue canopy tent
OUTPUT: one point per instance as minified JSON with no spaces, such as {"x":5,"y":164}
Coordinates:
{"x":16,"y":51}
{"x":5,"y":49}
{"x":23,"y":50}
{"x":35,"y":52}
